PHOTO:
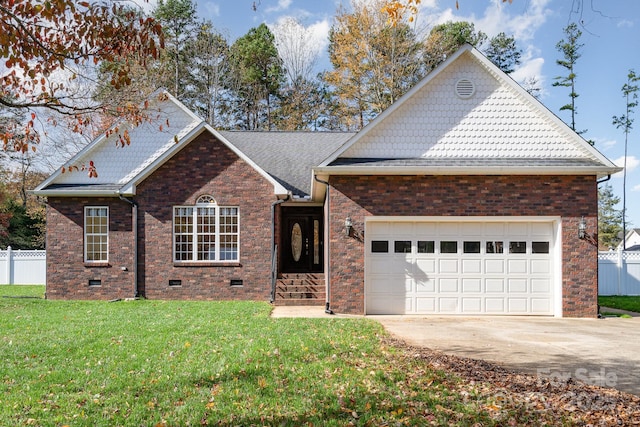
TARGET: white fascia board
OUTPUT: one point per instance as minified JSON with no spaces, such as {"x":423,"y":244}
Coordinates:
{"x":77,"y":193}
{"x":462,"y":170}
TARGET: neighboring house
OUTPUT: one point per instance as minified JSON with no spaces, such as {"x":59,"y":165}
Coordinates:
{"x":632,"y":240}
{"x":464,"y":197}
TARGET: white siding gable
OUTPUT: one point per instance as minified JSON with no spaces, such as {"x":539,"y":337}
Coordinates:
{"x":149,"y":141}
{"x":498,"y":121}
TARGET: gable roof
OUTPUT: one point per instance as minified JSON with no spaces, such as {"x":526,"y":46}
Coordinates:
{"x":466,"y":117}
{"x":288,"y":156}
{"x":171,"y":127}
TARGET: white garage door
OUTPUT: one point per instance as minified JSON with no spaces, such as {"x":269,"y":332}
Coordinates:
{"x":434,"y":267}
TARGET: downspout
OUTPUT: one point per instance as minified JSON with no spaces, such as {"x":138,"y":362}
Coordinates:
{"x":597,"y":272}
{"x":274,"y":266}
{"x":134,"y":225}
{"x":327,"y":221}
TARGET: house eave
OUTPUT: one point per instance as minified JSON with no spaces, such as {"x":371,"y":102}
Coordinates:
{"x":78,"y":193}
{"x":600,"y":172}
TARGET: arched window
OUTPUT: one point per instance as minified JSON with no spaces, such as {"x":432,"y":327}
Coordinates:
{"x":206,"y":199}
{"x":206,"y":231}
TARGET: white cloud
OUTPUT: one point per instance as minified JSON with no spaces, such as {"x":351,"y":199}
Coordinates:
{"x":632,"y":163}
{"x":209,"y":8}
{"x":636,"y":188}
{"x":529,"y":68}
{"x":282,"y":5}
{"x":605,"y":144}
{"x":497,"y":17}
{"x":625,"y":23}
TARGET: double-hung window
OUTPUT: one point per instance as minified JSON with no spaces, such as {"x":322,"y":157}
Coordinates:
{"x":96,"y":233}
{"x":206,"y":232}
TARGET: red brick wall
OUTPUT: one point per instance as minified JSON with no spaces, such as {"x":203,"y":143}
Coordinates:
{"x":67,"y":274}
{"x":569,"y":197}
{"x":205,"y":166}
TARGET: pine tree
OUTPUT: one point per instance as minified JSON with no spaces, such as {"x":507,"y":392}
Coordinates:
{"x":609,"y":218}
{"x":630,"y":93}
{"x":570,"y":49}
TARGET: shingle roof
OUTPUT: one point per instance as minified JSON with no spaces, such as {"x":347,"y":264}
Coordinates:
{"x":288,"y":156}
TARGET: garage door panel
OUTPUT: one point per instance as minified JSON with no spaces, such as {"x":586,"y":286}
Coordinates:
{"x":517,"y":228}
{"x":517,"y":305}
{"x":540,"y":305}
{"x":448,"y":229}
{"x":518,"y":285}
{"x":387,"y":285}
{"x":471,"y":286}
{"x":495,"y":285}
{"x":494,"y":228}
{"x":472,"y":305}
{"x":448,"y":285}
{"x":540,"y":286}
{"x":426,"y":286}
{"x":494,"y":305}
{"x":448,"y":305}
{"x":426,"y":305}
{"x":426,"y":266}
{"x":540,"y":266}
{"x":460,"y":268}
{"x":448,"y":266}
{"x":471,"y":266}
{"x":377,"y":305}
{"x":494,"y":266}
{"x":517,"y":266}
{"x":377,"y":265}
{"x":399,"y":265}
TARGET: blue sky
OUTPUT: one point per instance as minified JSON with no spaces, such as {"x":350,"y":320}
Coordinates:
{"x":610,"y":33}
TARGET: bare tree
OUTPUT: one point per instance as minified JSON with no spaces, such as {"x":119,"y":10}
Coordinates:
{"x":296,"y":50}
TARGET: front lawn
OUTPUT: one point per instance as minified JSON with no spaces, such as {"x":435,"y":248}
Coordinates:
{"x":629,"y":303}
{"x":176,"y":363}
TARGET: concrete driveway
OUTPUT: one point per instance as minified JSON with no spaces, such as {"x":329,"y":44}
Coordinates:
{"x":603,"y":352}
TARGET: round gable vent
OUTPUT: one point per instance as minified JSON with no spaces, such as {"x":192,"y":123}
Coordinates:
{"x":465,"y":88}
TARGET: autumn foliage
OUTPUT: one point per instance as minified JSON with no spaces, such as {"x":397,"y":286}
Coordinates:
{"x":46,"y":45}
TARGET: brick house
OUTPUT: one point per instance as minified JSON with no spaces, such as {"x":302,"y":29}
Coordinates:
{"x":467,"y":196}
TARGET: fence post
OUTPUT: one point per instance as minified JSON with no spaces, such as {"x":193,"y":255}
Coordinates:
{"x":620,"y":265}
{"x":9,"y":265}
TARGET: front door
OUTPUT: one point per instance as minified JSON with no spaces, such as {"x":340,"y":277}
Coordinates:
{"x":302,"y":246}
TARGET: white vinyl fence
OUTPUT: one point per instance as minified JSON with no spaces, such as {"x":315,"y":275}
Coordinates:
{"x":23,"y":267}
{"x":619,"y":273}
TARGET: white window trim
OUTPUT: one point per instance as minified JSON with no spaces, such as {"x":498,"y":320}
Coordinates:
{"x":94,"y":261}
{"x":211,"y":203}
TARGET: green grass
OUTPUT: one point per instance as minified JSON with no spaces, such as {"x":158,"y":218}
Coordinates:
{"x":629,"y":303}
{"x":21,"y":291}
{"x":176,"y":363}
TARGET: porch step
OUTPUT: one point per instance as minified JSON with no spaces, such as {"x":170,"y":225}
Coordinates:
{"x":300,"y":289}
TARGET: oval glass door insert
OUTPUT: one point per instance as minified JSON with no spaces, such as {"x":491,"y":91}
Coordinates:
{"x":296,"y":242}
